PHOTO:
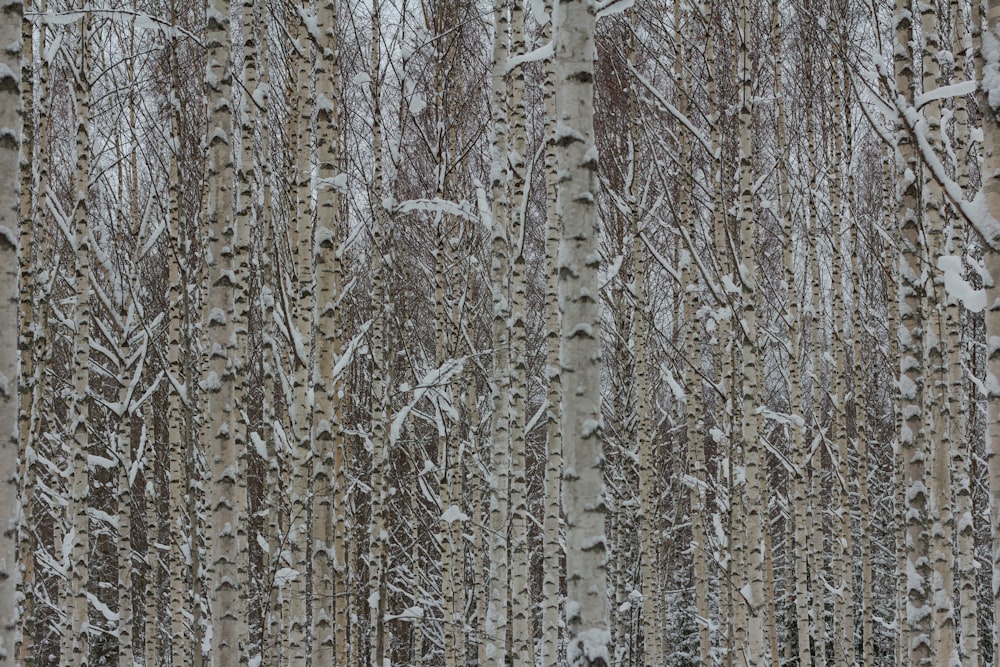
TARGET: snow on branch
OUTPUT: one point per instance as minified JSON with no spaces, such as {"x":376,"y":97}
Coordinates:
{"x":142,"y":21}
{"x":611,"y":7}
{"x":435,"y":206}
{"x":432,"y":379}
{"x":944,"y":92}
{"x":541,"y":53}
{"x":674,"y":111}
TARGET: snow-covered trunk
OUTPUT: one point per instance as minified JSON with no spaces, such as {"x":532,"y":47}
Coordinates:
{"x":225,"y":511}
{"x":150,"y":634}
{"x":301,"y":321}
{"x":552,"y":547}
{"x":244,"y":219}
{"x":587,"y":613}
{"x":125,"y":367}
{"x":178,"y":396}
{"x":449,"y":464}
{"x":898,"y":473}
{"x":813,"y":460}
{"x":816,"y":335}
{"x":522,"y":644}
{"x":843,"y":572}
{"x":730,"y":546}
{"x":380,"y":260}
{"x":10,"y":148}
{"x":272,"y":641}
{"x":989,"y":105}
{"x":913,"y":436}
{"x":719,"y":239}
{"x":797,"y":571}
{"x":27,"y":340}
{"x":327,"y":427}
{"x":644,"y":441}
{"x":937,"y":404}
{"x":447,"y":330}
{"x":124,"y":483}
{"x":968,"y":597}
{"x":75,"y":647}
{"x":796,"y":370}
{"x":480,"y":502}
{"x":752,"y":594}
{"x":498,"y":577}
{"x":860,"y":400}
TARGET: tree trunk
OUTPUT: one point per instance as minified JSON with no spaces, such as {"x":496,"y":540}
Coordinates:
{"x":76,"y":644}
{"x":587,"y":613}
{"x":226,"y":511}
{"x":10,"y":147}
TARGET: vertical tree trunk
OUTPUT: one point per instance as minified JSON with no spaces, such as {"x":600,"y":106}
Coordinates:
{"x":937,"y":388}
{"x":226,"y":511}
{"x":178,"y":393}
{"x":522,"y":646}
{"x":989,"y":105}
{"x":844,"y":652}
{"x":649,"y":521}
{"x":150,"y":634}
{"x":913,"y":439}
{"x":27,"y":383}
{"x":300,"y":408}
{"x":968,"y":597}
{"x":755,"y":525}
{"x":498,"y":576}
{"x":552,"y":547}
{"x":378,"y":550}
{"x":587,"y":613}
{"x":10,"y":147}
{"x":327,"y":427}
{"x":75,"y":640}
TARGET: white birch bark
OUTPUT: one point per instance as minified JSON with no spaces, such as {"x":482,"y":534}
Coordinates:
{"x":150,"y":633}
{"x":75,"y":641}
{"x":378,"y":550}
{"x":327,"y":426}
{"x":300,"y":408}
{"x":989,"y":104}
{"x":587,"y":613}
{"x":226,"y":512}
{"x":968,"y":597}
{"x":844,"y":651}
{"x":813,"y":464}
{"x":913,"y":443}
{"x":499,"y":477}
{"x":752,"y":594}
{"x":177,"y":407}
{"x":27,"y":344}
{"x":522,"y":646}
{"x":860,"y":401}
{"x":552,"y":547}
{"x":649,"y":521}
{"x":10,"y":147}
{"x":938,"y":405}
{"x":791,"y":315}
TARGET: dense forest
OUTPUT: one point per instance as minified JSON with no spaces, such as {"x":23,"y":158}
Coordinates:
{"x":618,"y":333}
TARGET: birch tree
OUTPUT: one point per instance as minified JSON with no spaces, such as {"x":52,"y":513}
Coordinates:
{"x":989,"y":104}
{"x":587,"y":613}
{"x":75,"y":646}
{"x":10,"y":147}
{"x":226,"y":511}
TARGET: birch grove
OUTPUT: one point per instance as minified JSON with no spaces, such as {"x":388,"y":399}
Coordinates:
{"x":503,"y":332}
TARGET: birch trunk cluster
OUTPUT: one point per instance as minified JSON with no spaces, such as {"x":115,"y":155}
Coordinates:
{"x":500,"y":333}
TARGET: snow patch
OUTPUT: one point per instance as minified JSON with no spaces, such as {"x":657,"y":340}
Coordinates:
{"x":957,"y":287}
{"x":453,"y":514}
